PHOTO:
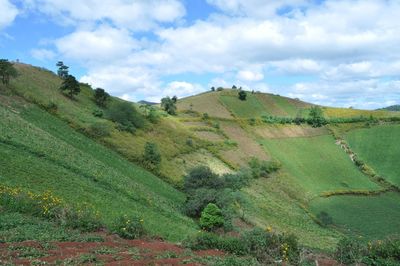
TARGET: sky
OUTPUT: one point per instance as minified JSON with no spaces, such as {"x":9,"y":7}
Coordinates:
{"x":328,"y":52}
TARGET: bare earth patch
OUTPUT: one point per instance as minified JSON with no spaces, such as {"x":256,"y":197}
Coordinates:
{"x":289,"y":131}
{"x":114,"y":251}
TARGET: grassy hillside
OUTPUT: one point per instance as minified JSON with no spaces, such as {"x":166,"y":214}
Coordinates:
{"x":379,"y":147}
{"x":40,"y":152}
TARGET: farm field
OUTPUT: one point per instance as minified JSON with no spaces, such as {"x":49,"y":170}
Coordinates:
{"x":379,"y":147}
{"x":316,"y":165}
{"x":370,"y":217}
{"x":40,"y":152}
{"x":250,"y":108}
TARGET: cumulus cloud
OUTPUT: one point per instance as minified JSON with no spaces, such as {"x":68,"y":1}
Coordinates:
{"x":8,"y":12}
{"x":349,"y":47}
{"x":43,"y":54}
{"x":131,"y":14}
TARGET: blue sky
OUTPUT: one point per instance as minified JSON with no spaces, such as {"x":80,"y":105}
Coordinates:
{"x":335,"y":53}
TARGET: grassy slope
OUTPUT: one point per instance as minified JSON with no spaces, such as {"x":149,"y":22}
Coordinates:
{"x":316,"y":165}
{"x":41,"y":86}
{"x":379,"y":147}
{"x":371,"y":217}
{"x":40,"y":152}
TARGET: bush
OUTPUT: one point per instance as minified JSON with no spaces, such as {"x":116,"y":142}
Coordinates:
{"x":98,"y":113}
{"x":349,"y":250}
{"x":197,"y":200}
{"x":152,"y":156}
{"x":169,"y":105}
{"x":51,"y":107}
{"x":242,"y":95}
{"x":211,"y":217}
{"x":201,"y":177}
{"x":101,"y":97}
{"x":261,"y":168}
{"x":126,"y":116}
{"x":205,"y":116}
{"x":325,"y":218}
{"x":99,"y":130}
{"x":129,"y":227}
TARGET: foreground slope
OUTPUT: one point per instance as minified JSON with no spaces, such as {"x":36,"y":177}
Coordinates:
{"x":40,"y":152}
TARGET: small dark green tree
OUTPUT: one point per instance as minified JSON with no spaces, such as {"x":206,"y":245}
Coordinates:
{"x":211,"y":217}
{"x":242,"y":95}
{"x":212,"y":88}
{"x":174,"y":99}
{"x":7,"y":71}
{"x":152,"y":156}
{"x":62,"y":71}
{"x":169,"y":105}
{"x":234,"y":87}
{"x":316,"y":116}
{"x":71,"y":86}
{"x":101,"y":97}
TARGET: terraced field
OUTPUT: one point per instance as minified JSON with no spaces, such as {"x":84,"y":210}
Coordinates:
{"x":379,"y":147}
{"x":316,"y":165}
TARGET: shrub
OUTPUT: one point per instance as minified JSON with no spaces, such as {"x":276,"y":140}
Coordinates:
{"x":189,"y":142}
{"x":197,"y":200}
{"x":201,"y":177}
{"x":169,"y":105}
{"x":129,"y":227}
{"x":325,"y":218}
{"x":349,"y":250}
{"x":153,"y":116}
{"x":98,"y":113}
{"x":205,"y":116}
{"x":242,"y":95}
{"x":316,"y":117}
{"x":101,"y":97}
{"x":211,"y":217}
{"x":261,"y":168}
{"x":152,"y":156}
{"x":99,"y":130}
{"x":51,"y":107}
{"x":220,"y":89}
{"x":126,"y":116}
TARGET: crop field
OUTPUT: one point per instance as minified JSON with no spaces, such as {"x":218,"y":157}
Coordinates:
{"x":42,"y":153}
{"x":348,"y":112}
{"x":317,"y":165}
{"x":251,"y":108}
{"x":379,"y":147}
{"x":370,"y":217}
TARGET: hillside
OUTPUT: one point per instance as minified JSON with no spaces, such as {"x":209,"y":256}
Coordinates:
{"x":391,"y":108}
{"x":48,"y":145}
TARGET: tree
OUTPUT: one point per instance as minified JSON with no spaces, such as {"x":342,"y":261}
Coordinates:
{"x":7,"y":71}
{"x":211,"y":217}
{"x":242,"y":95}
{"x":174,"y":99}
{"x":101,"y":97}
{"x":169,"y":105}
{"x":212,"y":88}
{"x":126,"y":116}
{"x":71,"y":86}
{"x":316,"y":117}
{"x":202,"y":177}
{"x":62,"y":71}
{"x":152,"y":156}
{"x":234,"y":87}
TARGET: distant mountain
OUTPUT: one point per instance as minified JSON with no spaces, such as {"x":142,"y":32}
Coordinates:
{"x":147,"y":102}
{"x":391,"y":108}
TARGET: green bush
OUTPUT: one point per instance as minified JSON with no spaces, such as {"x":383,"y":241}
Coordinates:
{"x":261,"y":168}
{"x":152,"y":156}
{"x":197,"y":200}
{"x":129,"y":227}
{"x":202,"y":177}
{"x":324,"y":218}
{"x":211,"y":217}
{"x":349,"y":250}
{"x":98,"y":113}
{"x":99,"y":130}
{"x":126,"y":116}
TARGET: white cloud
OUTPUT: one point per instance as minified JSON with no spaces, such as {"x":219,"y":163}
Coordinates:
{"x":43,"y":54}
{"x":104,"y":44}
{"x":246,"y":75}
{"x":130,"y":14}
{"x":8,"y":13}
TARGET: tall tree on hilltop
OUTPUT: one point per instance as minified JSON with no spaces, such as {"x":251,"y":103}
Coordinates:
{"x":7,"y":71}
{"x":71,"y":86}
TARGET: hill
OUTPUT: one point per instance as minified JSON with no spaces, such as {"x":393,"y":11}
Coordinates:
{"x":48,"y":144}
{"x":391,"y":108}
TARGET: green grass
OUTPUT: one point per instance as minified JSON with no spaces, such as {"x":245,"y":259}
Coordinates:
{"x":249,"y":108}
{"x":370,"y":217}
{"x":40,"y":152}
{"x":316,"y":165}
{"x":379,"y":147}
